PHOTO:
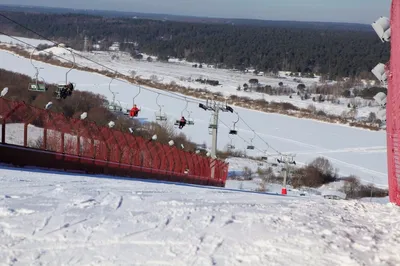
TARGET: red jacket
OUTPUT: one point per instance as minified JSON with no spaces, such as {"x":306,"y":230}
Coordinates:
{"x":134,"y":111}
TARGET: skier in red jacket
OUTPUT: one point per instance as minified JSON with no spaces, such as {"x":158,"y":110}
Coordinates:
{"x":134,"y":111}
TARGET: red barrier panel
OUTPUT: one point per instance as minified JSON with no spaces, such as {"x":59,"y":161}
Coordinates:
{"x":37,"y":137}
{"x":393,"y":107}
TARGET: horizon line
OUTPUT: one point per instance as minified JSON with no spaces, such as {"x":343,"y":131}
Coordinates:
{"x":182,"y":16}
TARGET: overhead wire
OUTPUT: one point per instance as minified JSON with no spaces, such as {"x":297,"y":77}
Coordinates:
{"x":246,"y":141}
{"x":119,"y":79}
{"x":177,"y":96}
{"x":82,"y":56}
{"x":255,"y":132}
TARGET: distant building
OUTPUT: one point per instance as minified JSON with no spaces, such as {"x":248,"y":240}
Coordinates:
{"x":333,"y":194}
{"x":114,"y":47}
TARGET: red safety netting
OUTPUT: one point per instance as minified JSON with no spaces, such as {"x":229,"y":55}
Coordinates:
{"x":30,"y":127}
{"x":393,"y":107}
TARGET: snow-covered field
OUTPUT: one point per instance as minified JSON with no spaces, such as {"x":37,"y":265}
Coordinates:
{"x":55,"y":219}
{"x":181,"y":72}
{"x":352,"y":150}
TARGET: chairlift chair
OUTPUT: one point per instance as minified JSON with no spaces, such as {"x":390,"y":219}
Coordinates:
{"x":65,"y":89}
{"x":231,"y":146}
{"x":37,"y":86}
{"x":251,"y":146}
{"x":160,"y":116}
{"x":127,"y":111}
{"x":233,"y":131}
{"x":190,"y":122}
{"x":115,"y":108}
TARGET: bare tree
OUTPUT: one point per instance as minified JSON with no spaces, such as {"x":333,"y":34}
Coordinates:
{"x":247,"y":173}
{"x":324,"y":165}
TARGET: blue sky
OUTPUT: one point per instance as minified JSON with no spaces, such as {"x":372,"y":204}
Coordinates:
{"x":360,"y":11}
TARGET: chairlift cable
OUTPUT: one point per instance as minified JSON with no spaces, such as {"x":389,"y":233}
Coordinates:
{"x":55,"y":43}
{"x":168,"y":94}
{"x":179,"y":97}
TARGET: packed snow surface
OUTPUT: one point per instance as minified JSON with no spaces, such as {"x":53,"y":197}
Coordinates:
{"x":56,"y":219}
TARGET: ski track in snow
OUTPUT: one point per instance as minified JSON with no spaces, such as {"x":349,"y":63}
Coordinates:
{"x":54,"y":219}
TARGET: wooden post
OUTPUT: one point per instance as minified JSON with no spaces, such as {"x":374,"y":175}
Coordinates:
{"x":92,"y":151}
{"x":45,"y":138}
{"x":62,"y":143}
{"x":3,"y":132}
{"x":78,"y":145}
{"x":25,"y":134}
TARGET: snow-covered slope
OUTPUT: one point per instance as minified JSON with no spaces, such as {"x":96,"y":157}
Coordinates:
{"x":35,"y":42}
{"x":55,"y":219}
{"x":181,"y":72}
{"x":352,"y":150}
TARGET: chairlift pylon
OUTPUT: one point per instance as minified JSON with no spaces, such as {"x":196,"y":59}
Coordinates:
{"x":160,"y":116}
{"x":37,"y":86}
{"x":65,"y":89}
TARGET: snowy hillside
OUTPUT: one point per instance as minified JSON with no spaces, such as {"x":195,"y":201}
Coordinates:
{"x":49,"y":218}
{"x":352,"y":150}
{"x":181,"y":72}
{"x":10,"y":41}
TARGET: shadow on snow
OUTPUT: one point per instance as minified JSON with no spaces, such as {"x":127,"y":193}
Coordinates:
{"x":61,"y":173}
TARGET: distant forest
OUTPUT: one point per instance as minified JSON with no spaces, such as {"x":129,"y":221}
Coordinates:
{"x":333,"y":52}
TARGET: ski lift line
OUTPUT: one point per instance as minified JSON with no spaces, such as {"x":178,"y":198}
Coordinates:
{"x":180,"y":97}
{"x":140,"y":86}
{"x":246,"y":141}
{"x":177,"y":97}
{"x":250,"y":143}
{"x":256,"y":134}
{"x":55,"y":43}
{"x":28,"y":44}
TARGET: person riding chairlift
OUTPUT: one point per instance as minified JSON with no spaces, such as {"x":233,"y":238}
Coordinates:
{"x":182,"y":122}
{"x":134,"y":111}
{"x":66,"y":90}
